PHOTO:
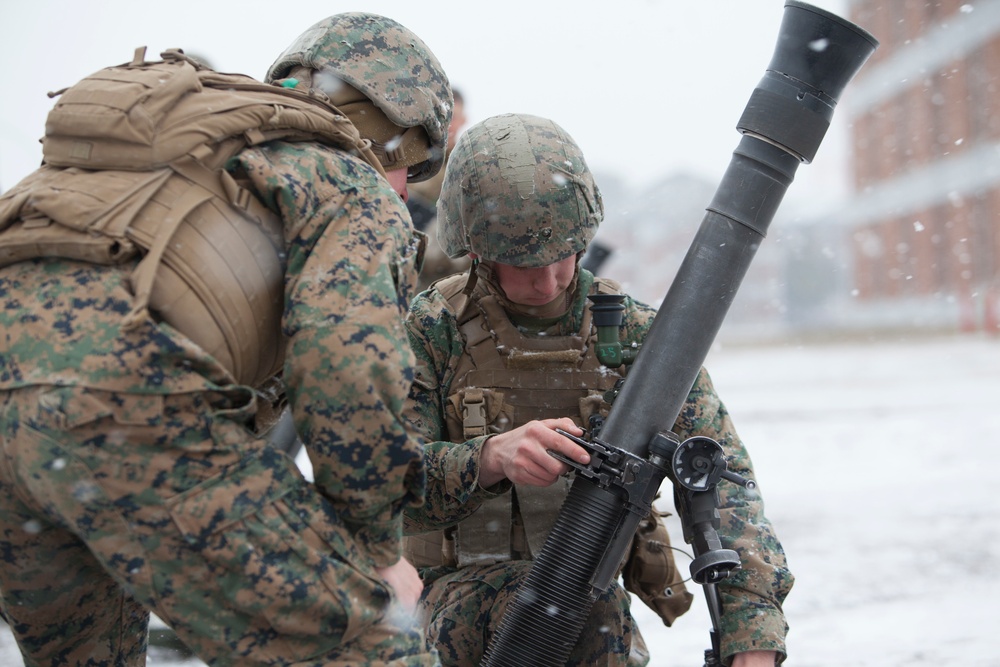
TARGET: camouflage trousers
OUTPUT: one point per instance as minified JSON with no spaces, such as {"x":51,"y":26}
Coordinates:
{"x":114,"y":504}
{"x":461,"y":611}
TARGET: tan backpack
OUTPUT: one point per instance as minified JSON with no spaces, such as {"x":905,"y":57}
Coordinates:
{"x":133,"y":166}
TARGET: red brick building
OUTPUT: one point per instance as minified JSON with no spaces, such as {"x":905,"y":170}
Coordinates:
{"x":925,"y":114}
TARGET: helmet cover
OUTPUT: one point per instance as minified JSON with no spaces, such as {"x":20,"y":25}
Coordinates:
{"x":388,"y":63}
{"x":518,"y":191}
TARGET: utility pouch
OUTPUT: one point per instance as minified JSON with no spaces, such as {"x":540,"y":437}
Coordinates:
{"x":651,"y":573}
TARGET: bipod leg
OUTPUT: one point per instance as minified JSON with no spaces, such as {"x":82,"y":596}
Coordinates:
{"x":713,"y":656}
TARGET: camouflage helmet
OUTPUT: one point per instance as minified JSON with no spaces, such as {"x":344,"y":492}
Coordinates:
{"x":518,"y":191}
{"x":386,"y":62}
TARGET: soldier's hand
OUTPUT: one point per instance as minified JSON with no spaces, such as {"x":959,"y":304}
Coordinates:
{"x":522,"y":455}
{"x":404,"y":580}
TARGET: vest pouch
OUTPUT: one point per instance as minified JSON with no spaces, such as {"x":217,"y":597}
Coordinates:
{"x":593,"y":405}
{"x":429,"y":549}
{"x":538,"y":507}
{"x":651,"y":573}
{"x":12,"y":203}
{"x":484,"y":537}
{"x":74,"y":214}
{"x":23,"y":241}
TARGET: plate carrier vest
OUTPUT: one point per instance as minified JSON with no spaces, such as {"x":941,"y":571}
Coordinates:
{"x":503,"y":380}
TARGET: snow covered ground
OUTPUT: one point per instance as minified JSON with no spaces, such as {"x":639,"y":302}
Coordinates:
{"x":877,"y":462}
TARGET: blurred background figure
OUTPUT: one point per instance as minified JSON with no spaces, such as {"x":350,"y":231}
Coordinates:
{"x":595,"y":257}
{"x":423,"y":209}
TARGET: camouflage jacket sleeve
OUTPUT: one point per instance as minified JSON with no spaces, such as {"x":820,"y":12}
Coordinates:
{"x":453,"y":490}
{"x":350,"y":271}
{"x":753,"y":596}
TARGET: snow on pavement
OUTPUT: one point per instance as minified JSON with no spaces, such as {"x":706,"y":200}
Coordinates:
{"x":877,"y":462}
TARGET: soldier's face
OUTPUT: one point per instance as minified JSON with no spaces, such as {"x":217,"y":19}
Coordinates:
{"x":536,"y":286}
{"x":397,"y":179}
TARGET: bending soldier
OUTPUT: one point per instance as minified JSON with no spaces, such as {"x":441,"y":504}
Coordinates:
{"x":505,"y":355}
{"x":130,"y":478}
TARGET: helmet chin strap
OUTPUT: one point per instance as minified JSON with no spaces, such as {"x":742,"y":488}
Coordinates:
{"x":483,"y":270}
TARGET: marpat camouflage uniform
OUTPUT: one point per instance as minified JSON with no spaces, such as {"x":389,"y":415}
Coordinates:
{"x":465,"y":605}
{"x":130,"y":478}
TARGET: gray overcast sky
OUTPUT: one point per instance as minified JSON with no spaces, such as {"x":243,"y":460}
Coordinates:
{"x":647,"y":87}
